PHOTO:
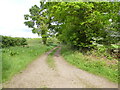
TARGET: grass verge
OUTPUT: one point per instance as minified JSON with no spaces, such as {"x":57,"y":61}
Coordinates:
{"x":98,"y":67}
{"x":15,"y":59}
{"x":50,"y":60}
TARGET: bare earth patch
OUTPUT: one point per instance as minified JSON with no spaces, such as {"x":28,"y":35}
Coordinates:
{"x":38,"y":74}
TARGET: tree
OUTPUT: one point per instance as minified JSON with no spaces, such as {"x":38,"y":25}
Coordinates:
{"x":77,"y":24}
{"x":38,"y":21}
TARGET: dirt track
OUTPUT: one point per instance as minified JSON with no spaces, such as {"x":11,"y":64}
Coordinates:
{"x":39,"y":75}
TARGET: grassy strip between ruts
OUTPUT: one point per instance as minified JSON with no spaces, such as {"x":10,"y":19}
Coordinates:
{"x":50,"y":60}
{"x":15,"y":59}
{"x":97,"y":67}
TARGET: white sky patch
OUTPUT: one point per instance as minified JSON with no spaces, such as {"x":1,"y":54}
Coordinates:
{"x":12,"y":17}
{"x":110,"y":20}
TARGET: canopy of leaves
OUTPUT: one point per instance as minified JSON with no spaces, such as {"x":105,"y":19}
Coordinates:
{"x":78,"y":24}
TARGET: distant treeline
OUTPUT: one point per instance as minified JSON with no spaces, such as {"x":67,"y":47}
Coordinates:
{"x":7,"y":41}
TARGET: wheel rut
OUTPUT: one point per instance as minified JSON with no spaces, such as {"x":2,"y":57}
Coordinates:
{"x":38,"y":75}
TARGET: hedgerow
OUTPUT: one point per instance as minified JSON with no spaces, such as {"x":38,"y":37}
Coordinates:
{"x":8,"y":41}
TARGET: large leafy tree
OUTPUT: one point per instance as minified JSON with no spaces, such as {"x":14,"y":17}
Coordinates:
{"x":77,"y":24}
{"x":81,"y":23}
{"x":38,"y":20}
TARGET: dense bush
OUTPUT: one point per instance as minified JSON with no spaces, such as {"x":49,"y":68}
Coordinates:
{"x":12,"y":41}
{"x":52,"y":41}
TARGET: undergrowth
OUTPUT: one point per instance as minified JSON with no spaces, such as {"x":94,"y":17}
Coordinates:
{"x":98,"y":67}
{"x":15,"y":59}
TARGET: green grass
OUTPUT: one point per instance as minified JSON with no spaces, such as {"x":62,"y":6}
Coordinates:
{"x":97,"y":67}
{"x":44,"y":87}
{"x":53,"y":52}
{"x":34,"y":41}
{"x":15,"y":59}
{"x":50,"y":60}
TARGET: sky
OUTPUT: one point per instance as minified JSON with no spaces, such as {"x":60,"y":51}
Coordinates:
{"x":12,"y":18}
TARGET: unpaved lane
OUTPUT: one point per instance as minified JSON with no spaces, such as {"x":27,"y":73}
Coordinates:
{"x":79,"y":77}
{"x":38,"y":75}
{"x":33,"y":76}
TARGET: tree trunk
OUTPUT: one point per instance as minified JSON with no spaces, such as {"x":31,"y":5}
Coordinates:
{"x":44,"y":40}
